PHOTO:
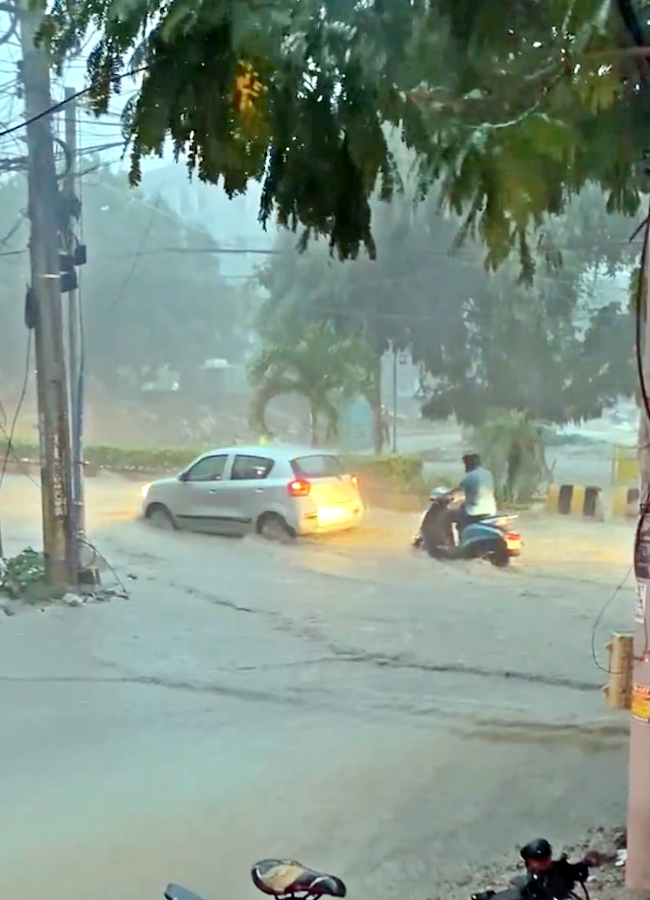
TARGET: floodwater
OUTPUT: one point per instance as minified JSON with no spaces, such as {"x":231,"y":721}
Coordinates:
{"x":346,"y":702}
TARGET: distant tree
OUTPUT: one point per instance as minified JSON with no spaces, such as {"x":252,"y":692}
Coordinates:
{"x":552,"y":350}
{"x":411,"y":297}
{"x":155,"y":296}
{"x":511,"y":445}
{"x":485,"y":341}
{"x":14,"y":277}
{"x":318,"y":365}
{"x":152,"y":292}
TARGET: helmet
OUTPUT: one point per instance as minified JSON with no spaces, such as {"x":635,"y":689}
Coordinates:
{"x":539,"y":849}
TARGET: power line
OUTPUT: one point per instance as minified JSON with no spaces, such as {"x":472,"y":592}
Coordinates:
{"x":119,"y":296}
{"x":56,"y":107}
{"x":204,"y":250}
{"x":14,"y":228}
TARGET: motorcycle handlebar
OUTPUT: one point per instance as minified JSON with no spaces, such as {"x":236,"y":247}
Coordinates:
{"x":534,"y":886}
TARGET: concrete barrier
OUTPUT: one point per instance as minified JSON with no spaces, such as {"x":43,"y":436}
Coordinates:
{"x":625,"y":466}
{"x":626,"y":503}
{"x":575,"y":500}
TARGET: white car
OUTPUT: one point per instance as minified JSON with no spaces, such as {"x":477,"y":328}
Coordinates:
{"x":279,"y":492}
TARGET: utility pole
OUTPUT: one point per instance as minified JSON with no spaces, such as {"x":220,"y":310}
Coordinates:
{"x":637,"y":870}
{"x":394,"y":399}
{"x":74,"y":325}
{"x":44,"y":298}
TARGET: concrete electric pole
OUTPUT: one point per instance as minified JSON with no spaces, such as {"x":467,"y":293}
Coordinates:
{"x":638,"y":831}
{"x":69,"y":282}
{"x":44,"y":301}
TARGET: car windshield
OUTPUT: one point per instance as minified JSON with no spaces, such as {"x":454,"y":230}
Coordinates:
{"x":317,"y":466}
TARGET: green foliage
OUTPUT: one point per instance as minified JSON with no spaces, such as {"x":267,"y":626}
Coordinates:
{"x":400,"y":468}
{"x":411,"y":297}
{"x":120,"y":459}
{"x":512,"y":448}
{"x":133,"y":459}
{"x":145,"y":261}
{"x":21,"y":575}
{"x":313,"y":135}
{"x":318,"y":365}
{"x":511,"y":107}
{"x":152,"y":291}
{"x":391,"y":482}
{"x":520,"y":356}
{"x":400,"y":472}
{"x":560,"y":350}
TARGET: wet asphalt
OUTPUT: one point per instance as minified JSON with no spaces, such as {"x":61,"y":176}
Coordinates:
{"x":356,"y":706}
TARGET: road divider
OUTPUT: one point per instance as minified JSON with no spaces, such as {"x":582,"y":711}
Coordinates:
{"x":626,"y":503}
{"x":575,"y":500}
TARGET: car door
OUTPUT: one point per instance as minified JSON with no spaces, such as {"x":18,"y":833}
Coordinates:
{"x":245,"y":489}
{"x":200,"y":505}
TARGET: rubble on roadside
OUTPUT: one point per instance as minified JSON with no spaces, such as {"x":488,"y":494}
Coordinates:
{"x":95,"y":595}
{"x":23,"y":582}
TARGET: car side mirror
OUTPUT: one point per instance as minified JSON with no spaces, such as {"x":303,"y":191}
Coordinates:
{"x":183,"y":476}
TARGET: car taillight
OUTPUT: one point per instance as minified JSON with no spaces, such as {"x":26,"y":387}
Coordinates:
{"x":355,"y":481}
{"x":513,"y":536}
{"x":299,"y":487}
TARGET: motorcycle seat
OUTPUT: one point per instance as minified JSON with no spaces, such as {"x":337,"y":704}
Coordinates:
{"x":176,"y":892}
{"x":288,"y":878}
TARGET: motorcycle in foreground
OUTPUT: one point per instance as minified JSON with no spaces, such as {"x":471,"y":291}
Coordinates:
{"x":284,"y":879}
{"x":546,"y":878}
{"x":486,"y":538}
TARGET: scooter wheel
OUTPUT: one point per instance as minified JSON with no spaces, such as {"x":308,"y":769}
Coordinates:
{"x":500,"y":558}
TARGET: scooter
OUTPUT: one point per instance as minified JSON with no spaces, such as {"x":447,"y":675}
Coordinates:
{"x":487,"y":538}
{"x":283,"y":879}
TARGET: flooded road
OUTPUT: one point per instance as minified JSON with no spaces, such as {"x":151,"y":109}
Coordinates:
{"x":353,"y":705}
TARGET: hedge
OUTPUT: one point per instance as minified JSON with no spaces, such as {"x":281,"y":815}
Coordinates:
{"x":401,"y":469}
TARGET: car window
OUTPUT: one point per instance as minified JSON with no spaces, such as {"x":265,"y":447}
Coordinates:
{"x":210,"y":468}
{"x":250,"y":468}
{"x":317,"y":466}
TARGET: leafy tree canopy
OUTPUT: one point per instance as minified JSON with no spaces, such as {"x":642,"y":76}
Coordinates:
{"x":560,"y":350}
{"x":511,"y":106}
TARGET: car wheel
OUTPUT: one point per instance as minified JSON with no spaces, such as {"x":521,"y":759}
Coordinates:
{"x":158,"y":516}
{"x":274,"y":528}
